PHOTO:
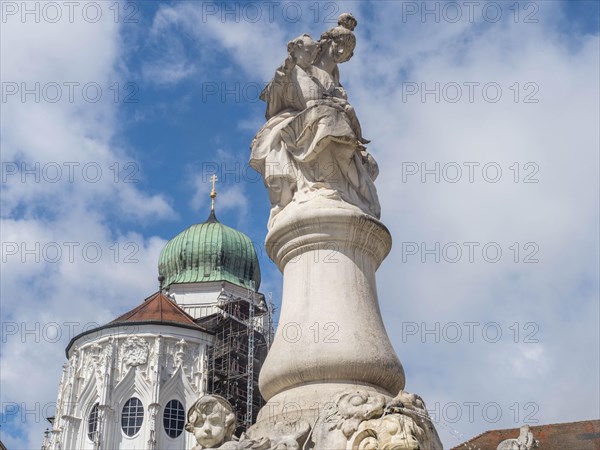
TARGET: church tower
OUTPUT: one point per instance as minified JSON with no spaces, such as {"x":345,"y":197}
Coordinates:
{"x":129,"y":384}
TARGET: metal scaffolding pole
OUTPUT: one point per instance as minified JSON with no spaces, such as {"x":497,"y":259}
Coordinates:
{"x":238,"y":351}
{"x":250,"y":367}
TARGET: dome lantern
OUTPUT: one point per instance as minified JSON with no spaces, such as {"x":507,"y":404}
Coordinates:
{"x":210,"y":251}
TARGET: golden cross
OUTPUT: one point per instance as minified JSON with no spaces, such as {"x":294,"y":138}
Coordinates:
{"x":213,"y":193}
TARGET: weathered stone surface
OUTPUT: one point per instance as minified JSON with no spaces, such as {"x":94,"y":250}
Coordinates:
{"x":354,"y":420}
{"x":330,"y":328}
{"x":525,"y":441}
{"x":332,"y":378}
{"x":312,"y":145}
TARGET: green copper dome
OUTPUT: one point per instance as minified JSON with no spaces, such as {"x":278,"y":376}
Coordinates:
{"x":209,"y":251}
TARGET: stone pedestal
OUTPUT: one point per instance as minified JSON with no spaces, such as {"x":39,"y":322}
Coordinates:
{"x":332,"y":379}
{"x":330,"y":329}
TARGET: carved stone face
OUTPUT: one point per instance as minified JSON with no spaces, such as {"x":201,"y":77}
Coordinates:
{"x":398,"y":434}
{"x":342,"y":47}
{"x":304,"y":49}
{"x":212,"y":424}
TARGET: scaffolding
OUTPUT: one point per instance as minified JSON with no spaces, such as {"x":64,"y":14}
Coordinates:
{"x":243,"y":332}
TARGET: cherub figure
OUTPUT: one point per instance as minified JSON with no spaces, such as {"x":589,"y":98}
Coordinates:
{"x":336,"y":46}
{"x":212,"y":421}
{"x":347,"y":21}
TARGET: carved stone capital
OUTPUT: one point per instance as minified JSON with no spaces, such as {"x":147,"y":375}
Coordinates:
{"x":327,"y":228}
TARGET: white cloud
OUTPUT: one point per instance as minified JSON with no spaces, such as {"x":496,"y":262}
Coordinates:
{"x":168,"y":71}
{"x":65,"y":260}
{"x":559,"y":214}
{"x":238,"y":39}
{"x":558,"y":295}
{"x":172,"y":64}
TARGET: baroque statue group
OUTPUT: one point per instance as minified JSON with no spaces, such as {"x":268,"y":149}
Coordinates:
{"x":320,"y":180}
{"x":312,"y":144}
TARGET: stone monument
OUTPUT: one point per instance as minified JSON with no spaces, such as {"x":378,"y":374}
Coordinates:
{"x":331,"y":379}
{"x":525,"y":441}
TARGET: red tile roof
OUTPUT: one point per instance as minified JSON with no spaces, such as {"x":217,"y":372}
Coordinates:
{"x":157,"y":308}
{"x":560,"y":436}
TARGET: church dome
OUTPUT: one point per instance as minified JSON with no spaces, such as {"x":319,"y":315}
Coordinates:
{"x":210,"y":251}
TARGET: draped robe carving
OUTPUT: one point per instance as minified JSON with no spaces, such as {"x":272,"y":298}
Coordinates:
{"x":311,"y":147}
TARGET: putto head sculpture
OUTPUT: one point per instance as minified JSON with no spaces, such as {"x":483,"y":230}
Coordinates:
{"x":348,"y":21}
{"x":212,"y":421}
{"x":340,"y":41}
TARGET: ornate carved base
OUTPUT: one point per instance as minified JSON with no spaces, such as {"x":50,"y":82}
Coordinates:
{"x":352,"y":420}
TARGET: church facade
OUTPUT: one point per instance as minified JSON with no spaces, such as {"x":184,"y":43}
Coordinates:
{"x":129,"y":384}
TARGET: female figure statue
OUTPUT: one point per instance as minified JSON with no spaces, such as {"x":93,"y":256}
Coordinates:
{"x":311,"y":148}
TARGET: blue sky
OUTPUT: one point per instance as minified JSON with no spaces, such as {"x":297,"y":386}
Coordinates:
{"x":193,"y":73}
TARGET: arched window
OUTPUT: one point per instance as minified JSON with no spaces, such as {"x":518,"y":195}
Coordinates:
{"x":174,"y":418}
{"x":93,"y":423}
{"x":132,"y":416}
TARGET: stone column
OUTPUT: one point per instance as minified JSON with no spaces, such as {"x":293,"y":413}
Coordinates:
{"x":331,"y":378}
{"x":331,"y":335}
